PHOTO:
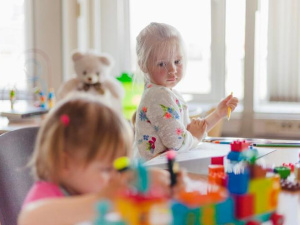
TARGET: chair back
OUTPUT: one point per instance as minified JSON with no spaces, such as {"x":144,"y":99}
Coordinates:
{"x":16,"y":148}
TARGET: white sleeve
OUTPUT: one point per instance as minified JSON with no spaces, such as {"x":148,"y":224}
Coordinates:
{"x":164,"y":114}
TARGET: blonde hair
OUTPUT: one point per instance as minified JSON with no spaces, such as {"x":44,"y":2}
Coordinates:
{"x":94,"y":130}
{"x":155,"y":40}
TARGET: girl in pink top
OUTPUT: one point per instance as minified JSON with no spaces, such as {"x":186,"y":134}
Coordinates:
{"x":73,"y":156}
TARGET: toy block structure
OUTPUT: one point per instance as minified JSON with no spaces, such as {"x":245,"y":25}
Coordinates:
{"x":238,"y":193}
{"x":255,"y":195}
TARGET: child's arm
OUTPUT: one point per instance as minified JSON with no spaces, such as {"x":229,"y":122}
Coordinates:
{"x":221,"y":111}
{"x":165,"y":116}
{"x":58,"y":211}
{"x":70,"y":210}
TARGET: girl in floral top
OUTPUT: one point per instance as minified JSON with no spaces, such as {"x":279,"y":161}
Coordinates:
{"x":162,"y":120}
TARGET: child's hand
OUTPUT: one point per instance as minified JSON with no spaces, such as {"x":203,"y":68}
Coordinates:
{"x":222,"y":107}
{"x":118,"y":182}
{"x":182,"y":180}
{"x":197,"y":128}
{"x":160,"y":180}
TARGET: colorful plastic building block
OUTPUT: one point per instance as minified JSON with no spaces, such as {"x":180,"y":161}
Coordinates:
{"x":12,"y":98}
{"x":283,"y":171}
{"x":244,"y":205}
{"x":51,"y":98}
{"x":217,"y":160}
{"x":289,"y":185}
{"x":239,"y":146}
{"x":238,"y":183}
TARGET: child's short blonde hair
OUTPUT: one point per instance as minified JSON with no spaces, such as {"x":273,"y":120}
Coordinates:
{"x":84,"y":128}
{"x":155,"y":40}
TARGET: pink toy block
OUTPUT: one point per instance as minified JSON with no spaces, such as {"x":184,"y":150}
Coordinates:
{"x":239,"y":146}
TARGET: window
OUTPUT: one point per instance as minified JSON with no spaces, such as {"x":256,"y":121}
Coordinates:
{"x":215,"y":66}
{"x":195,"y":29}
{"x":12,"y":47}
{"x":278,"y":55}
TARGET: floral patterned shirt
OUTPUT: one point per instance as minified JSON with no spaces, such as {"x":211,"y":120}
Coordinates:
{"x":161,"y":122}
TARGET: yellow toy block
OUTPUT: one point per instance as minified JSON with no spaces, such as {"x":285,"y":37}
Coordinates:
{"x":208,"y":215}
{"x":136,"y":210}
{"x":261,"y":189}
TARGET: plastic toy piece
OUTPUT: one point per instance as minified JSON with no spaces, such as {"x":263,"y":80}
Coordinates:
{"x":257,"y":171}
{"x":215,"y":169}
{"x":238,"y":182}
{"x":172,"y":167}
{"x":103,"y":208}
{"x":283,"y":171}
{"x":135,"y":208}
{"x":185,"y":215}
{"x":244,"y":205}
{"x":289,"y":185}
{"x":51,"y":98}
{"x":239,"y":146}
{"x":142,"y":180}
{"x":253,"y":222}
{"x":217,"y":160}
{"x":235,"y":156}
{"x":42,"y":100}
{"x":290,"y":165}
{"x":12,"y":98}
{"x":277,"y":219}
{"x":216,"y":175}
{"x":122,"y":164}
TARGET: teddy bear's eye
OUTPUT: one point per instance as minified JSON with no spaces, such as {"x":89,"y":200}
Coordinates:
{"x":98,"y":73}
{"x":84,"y":72}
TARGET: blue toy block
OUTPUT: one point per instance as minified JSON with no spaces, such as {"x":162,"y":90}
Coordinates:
{"x":225,"y":211}
{"x":184,"y":215}
{"x":238,"y":183}
{"x":142,"y":180}
{"x":103,"y":207}
{"x":235,"y":156}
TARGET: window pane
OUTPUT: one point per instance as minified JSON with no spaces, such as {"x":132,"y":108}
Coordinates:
{"x":279,"y":51}
{"x":193,"y":20}
{"x":235,"y":52}
{"x":12,"y":45}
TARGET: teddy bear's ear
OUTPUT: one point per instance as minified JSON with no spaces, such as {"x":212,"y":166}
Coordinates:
{"x":76,"y":56}
{"x":106,"y":60}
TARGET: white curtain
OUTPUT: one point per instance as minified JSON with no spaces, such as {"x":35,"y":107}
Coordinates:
{"x":283,"y":62}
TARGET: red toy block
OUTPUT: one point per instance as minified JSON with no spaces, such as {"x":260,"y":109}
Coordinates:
{"x":253,"y":222}
{"x":277,"y":219}
{"x":239,"y":146}
{"x":244,"y":205}
{"x":217,"y":160}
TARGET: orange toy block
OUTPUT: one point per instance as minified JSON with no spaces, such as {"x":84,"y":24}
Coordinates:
{"x":135,"y":209}
{"x":215,"y":169}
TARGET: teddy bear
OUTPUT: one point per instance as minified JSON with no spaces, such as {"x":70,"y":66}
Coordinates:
{"x":93,"y":76}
